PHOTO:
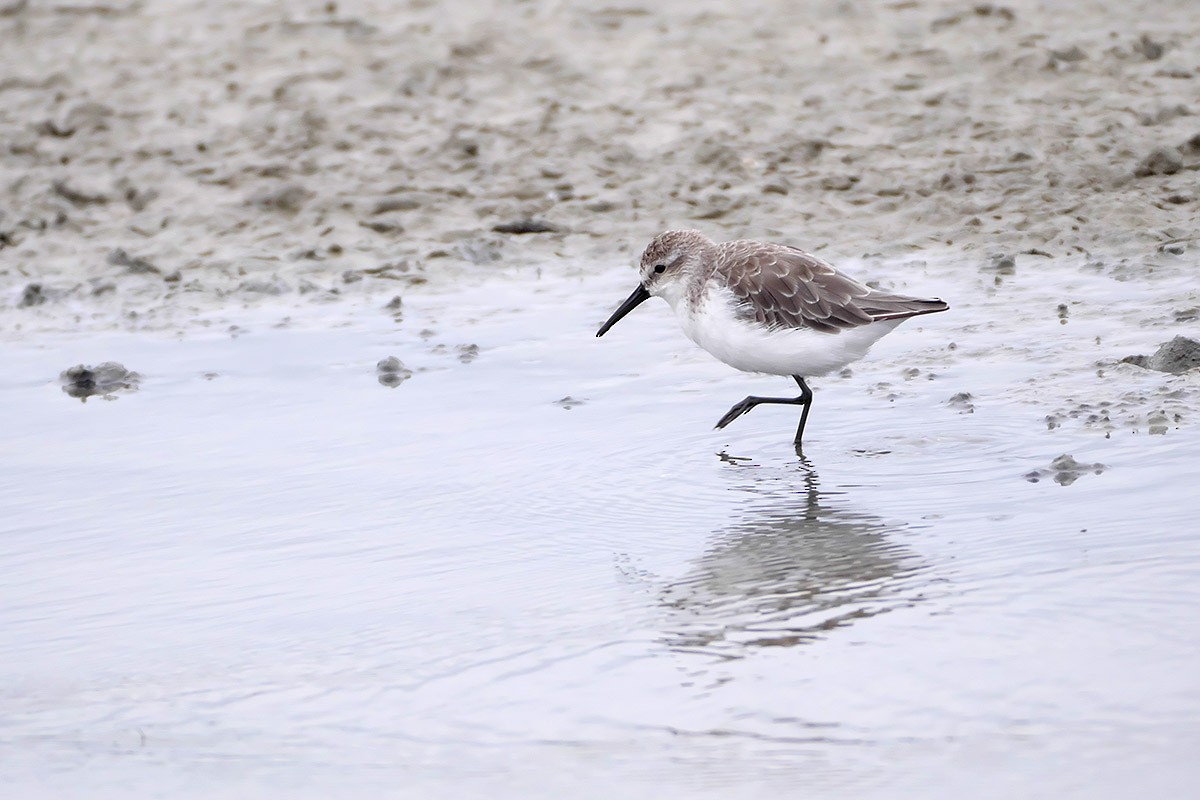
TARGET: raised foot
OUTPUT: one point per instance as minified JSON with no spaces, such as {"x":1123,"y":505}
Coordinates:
{"x":738,"y":409}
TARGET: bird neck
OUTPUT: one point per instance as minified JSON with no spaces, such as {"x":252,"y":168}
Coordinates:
{"x":674,"y":292}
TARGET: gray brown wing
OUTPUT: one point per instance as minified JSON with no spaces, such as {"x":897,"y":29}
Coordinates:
{"x":787,"y":288}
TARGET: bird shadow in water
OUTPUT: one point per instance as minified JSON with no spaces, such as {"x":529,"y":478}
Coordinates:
{"x":794,"y":565}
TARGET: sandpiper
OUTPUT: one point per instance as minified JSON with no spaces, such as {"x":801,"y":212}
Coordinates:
{"x":769,"y":308}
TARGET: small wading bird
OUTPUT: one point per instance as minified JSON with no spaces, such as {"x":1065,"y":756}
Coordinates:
{"x":767,"y":308}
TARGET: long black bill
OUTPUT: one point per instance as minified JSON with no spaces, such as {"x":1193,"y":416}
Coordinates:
{"x":639,"y":296}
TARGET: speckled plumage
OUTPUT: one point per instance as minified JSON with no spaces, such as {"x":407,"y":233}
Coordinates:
{"x":762,"y":307}
{"x":784,"y":287}
{"x":756,"y":305}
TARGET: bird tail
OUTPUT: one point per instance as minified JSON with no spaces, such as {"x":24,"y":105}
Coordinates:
{"x":884,"y":306}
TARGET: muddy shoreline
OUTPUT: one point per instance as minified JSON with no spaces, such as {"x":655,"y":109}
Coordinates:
{"x":174,"y":157}
{"x":317,"y":481}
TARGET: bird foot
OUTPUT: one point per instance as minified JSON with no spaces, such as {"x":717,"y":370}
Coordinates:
{"x":736,"y":411}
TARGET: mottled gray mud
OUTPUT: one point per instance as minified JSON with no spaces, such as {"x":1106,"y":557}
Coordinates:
{"x":163,"y":158}
{"x":382,"y":515}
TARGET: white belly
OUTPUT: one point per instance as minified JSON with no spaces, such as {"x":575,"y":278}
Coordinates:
{"x":750,"y":347}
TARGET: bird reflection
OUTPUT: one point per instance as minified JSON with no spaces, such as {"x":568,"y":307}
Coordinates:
{"x":795,"y":565}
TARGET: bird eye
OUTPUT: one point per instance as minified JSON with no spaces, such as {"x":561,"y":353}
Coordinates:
{"x":660,"y":268}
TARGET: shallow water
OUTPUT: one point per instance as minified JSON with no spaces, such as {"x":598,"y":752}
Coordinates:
{"x":263,"y":572}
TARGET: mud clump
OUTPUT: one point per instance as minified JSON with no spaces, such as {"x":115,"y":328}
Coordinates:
{"x":963,"y":402}
{"x":392,"y":372}
{"x":568,"y":402}
{"x":33,"y":295}
{"x":135,"y":265}
{"x":287,"y":199}
{"x":523,"y":226}
{"x":1177,"y":356}
{"x":402,"y":203}
{"x":105,"y":380}
{"x":78,"y":197}
{"x":1161,"y":161}
{"x":1001,"y":264}
{"x":1065,"y":470}
{"x":1148,"y":48}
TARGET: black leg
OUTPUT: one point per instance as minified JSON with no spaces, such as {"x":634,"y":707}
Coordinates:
{"x":806,"y":399}
{"x":744,"y":406}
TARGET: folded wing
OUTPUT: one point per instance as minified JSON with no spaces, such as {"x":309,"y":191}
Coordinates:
{"x":783,"y":287}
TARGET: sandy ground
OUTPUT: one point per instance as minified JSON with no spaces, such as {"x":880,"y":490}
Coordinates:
{"x":162,"y":156}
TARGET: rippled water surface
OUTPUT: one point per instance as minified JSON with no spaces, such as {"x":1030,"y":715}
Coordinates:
{"x":536,"y":571}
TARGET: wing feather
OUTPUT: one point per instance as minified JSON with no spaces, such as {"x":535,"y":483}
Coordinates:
{"x":783,"y":287}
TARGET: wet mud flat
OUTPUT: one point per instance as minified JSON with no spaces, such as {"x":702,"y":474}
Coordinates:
{"x":316,"y":482}
{"x":465,"y":547}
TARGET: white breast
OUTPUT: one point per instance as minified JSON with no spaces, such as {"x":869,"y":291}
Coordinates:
{"x":713,"y":324}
